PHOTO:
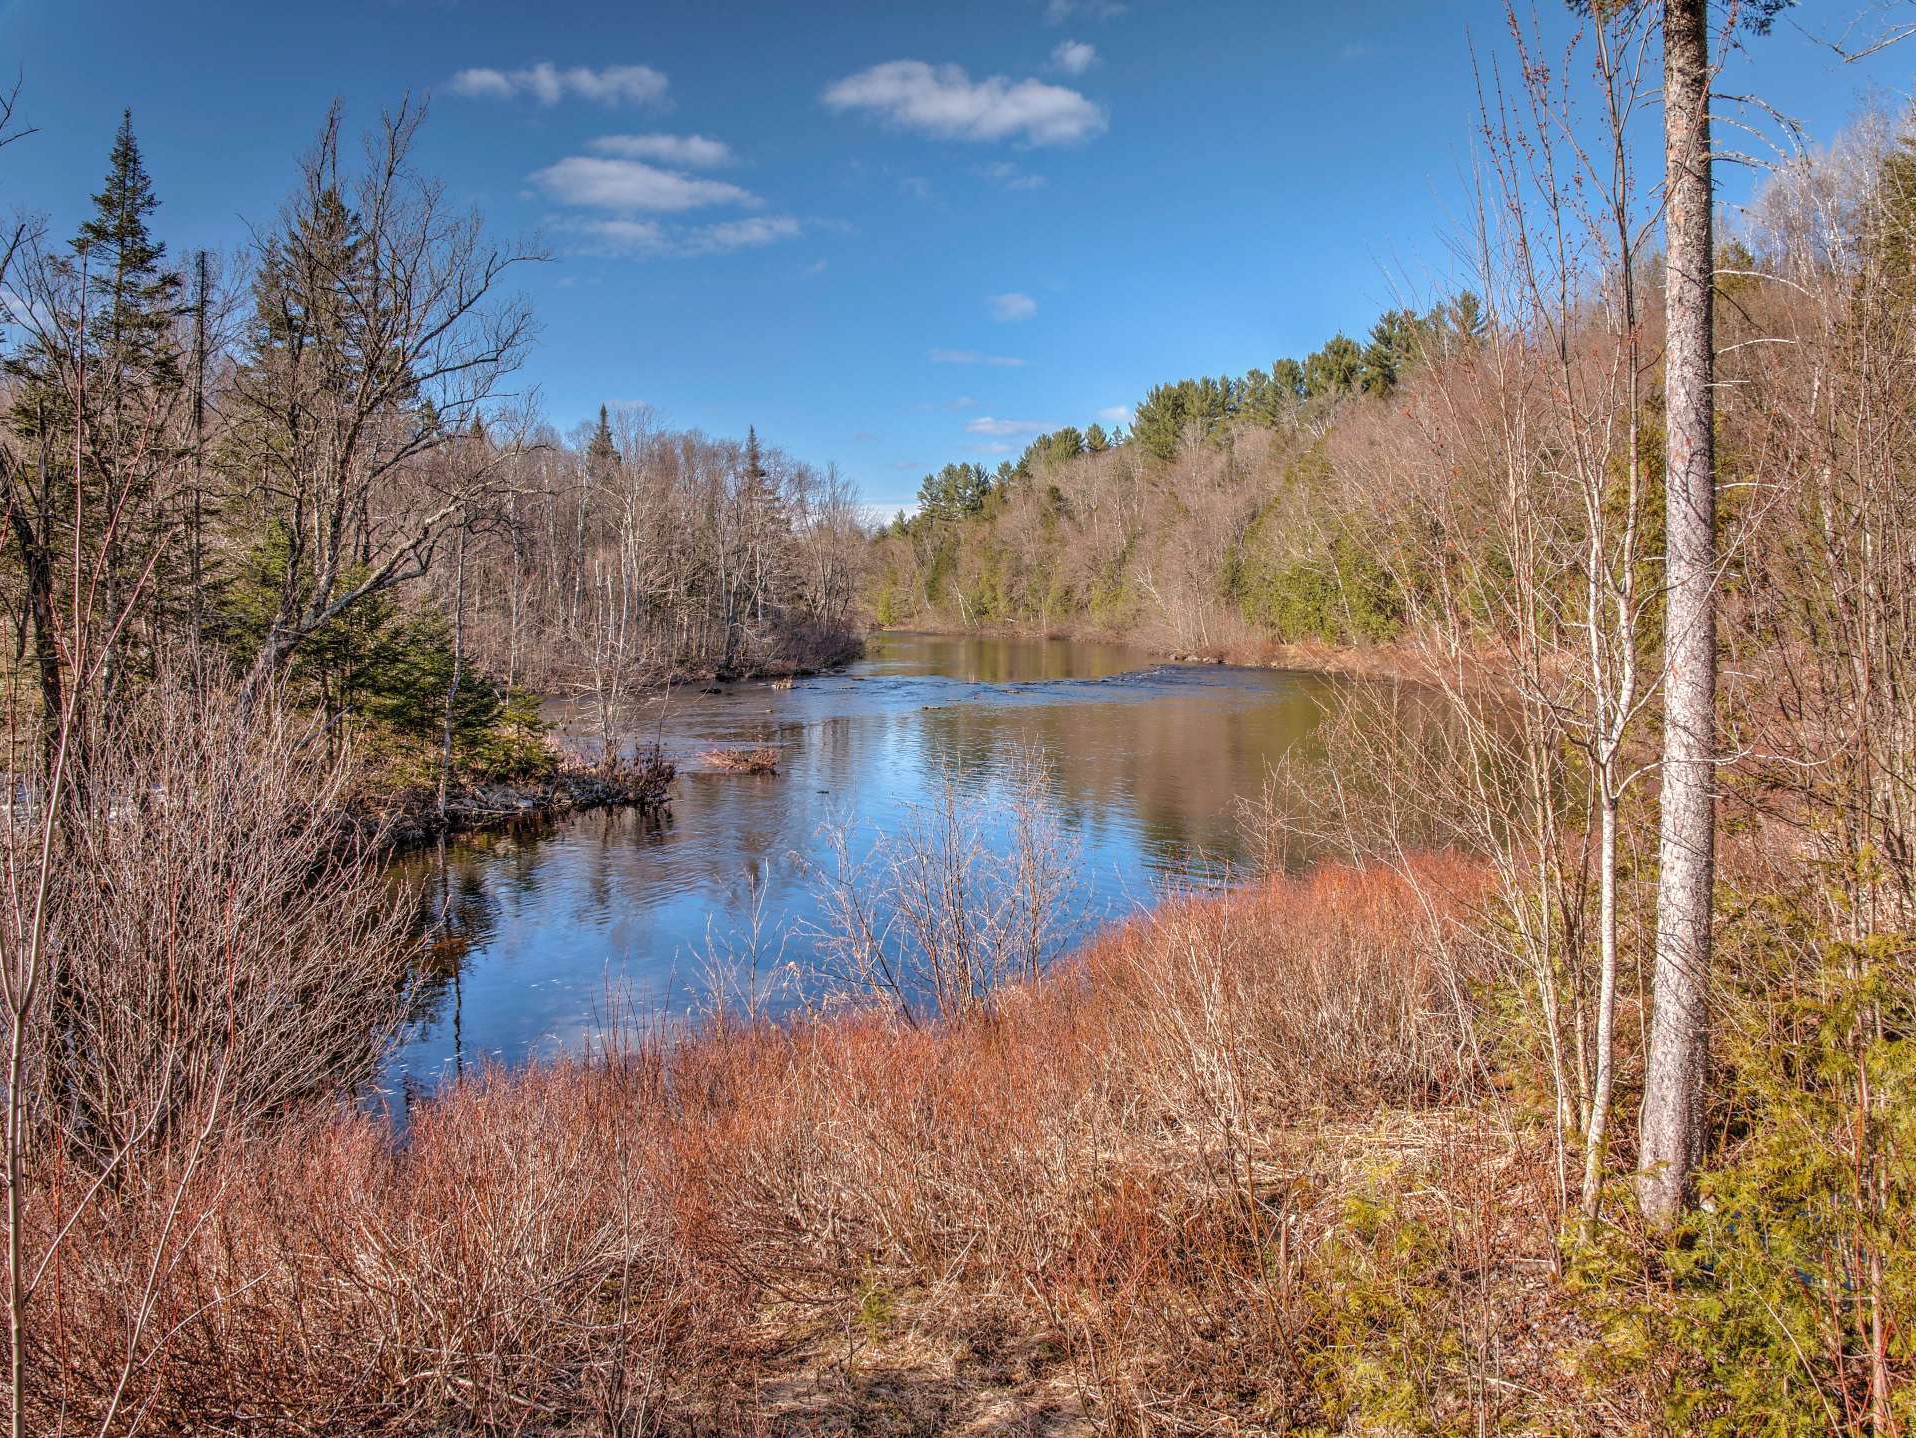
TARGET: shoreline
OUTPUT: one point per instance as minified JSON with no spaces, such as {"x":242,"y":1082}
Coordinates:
{"x":398,"y":823}
{"x":1381,"y":661}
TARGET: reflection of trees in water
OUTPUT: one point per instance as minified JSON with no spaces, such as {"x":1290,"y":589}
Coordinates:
{"x":1176,"y":763}
{"x":1145,"y":770}
{"x":458,"y":913}
{"x":985,"y":659}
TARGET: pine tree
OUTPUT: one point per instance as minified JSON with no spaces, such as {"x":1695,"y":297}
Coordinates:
{"x":601,"y":452}
{"x":135,"y":299}
{"x":101,"y":463}
{"x":1394,"y":343}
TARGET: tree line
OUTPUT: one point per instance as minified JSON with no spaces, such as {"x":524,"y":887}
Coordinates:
{"x":303,"y":465}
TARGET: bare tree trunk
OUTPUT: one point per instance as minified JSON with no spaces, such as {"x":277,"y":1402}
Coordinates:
{"x":458,"y":662}
{"x":197,"y":551}
{"x":1673,"y":1081}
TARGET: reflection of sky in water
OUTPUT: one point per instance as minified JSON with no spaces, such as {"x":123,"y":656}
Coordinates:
{"x":1143,"y":762}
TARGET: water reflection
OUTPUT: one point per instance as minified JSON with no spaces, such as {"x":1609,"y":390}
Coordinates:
{"x":1144,"y":760}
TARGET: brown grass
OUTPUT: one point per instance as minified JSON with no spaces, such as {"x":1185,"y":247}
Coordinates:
{"x":761,"y":760}
{"x":1112,"y":1199}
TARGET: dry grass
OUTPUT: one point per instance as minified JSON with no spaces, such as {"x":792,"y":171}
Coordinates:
{"x":760,"y":760}
{"x":1113,"y":1200}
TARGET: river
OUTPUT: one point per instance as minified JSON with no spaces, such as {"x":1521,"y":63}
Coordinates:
{"x":551,"y":927}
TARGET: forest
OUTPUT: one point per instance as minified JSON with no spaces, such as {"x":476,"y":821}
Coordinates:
{"x":303,"y":469}
{"x":1549,"y":1066}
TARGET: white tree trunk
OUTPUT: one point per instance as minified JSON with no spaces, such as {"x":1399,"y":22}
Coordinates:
{"x":1673,"y":1081}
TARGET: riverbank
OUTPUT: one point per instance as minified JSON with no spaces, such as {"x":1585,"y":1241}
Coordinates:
{"x":404,"y":818}
{"x":1371,"y":661}
{"x":1230,"y":1168}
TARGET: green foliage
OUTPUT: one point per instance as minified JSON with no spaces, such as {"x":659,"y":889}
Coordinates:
{"x":1889,"y":232}
{"x":1391,"y":1354}
{"x":135,"y":300}
{"x":1333,"y":370}
{"x":1190,"y":407}
{"x":1049,"y":449}
{"x":515,"y":743}
{"x":1339,"y":595}
{"x":1395,"y":341}
{"x":388,"y":673}
{"x":1805,"y":1238}
{"x":600,"y":451}
{"x":955,"y":492}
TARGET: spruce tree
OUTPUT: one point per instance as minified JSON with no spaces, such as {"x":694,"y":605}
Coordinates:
{"x":135,"y":299}
{"x":600,"y":452}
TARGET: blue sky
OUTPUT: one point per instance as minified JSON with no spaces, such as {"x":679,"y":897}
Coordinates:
{"x":888,"y":235}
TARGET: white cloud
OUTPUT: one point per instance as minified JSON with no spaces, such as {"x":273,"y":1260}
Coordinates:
{"x":972,"y":357}
{"x":1003,"y":172}
{"x":1002,"y":428}
{"x":650,"y":239}
{"x":624,"y":237}
{"x":689,"y":152}
{"x":1074,"y":57}
{"x":548,"y":84}
{"x":632,"y":185}
{"x":1009,"y":308}
{"x":945,"y":102}
{"x":750,"y":234}
{"x":1056,"y":12}
{"x":1116,"y":413}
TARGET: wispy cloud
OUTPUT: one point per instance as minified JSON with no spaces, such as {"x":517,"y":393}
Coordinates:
{"x":1056,"y":12}
{"x":1115,"y":414}
{"x":944,"y":101}
{"x":972,"y":357}
{"x":1074,"y":57}
{"x":1004,"y":428}
{"x":688,"y":152}
{"x":1010,"y":308}
{"x":548,"y":84}
{"x":630,"y":186}
{"x":651,"y":239}
{"x":1003,"y":172}
{"x":748,"y":234}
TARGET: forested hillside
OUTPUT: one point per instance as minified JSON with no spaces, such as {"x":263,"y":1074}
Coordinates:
{"x":1216,"y":523}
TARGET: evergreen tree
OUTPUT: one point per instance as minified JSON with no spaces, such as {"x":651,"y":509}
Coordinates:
{"x":133,"y":378}
{"x":1096,"y":441}
{"x":955,"y":492}
{"x":600,"y":452}
{"x":1393,"y":344}
{"x":135,"y":300}
{"x":1334,"y":369}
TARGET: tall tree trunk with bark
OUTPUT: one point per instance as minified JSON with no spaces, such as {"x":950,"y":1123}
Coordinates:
{"x":1673,"y":1081}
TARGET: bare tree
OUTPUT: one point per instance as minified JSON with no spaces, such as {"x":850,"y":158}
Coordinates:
{"x":379,"y":337}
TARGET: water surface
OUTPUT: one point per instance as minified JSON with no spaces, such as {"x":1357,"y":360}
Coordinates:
{"x":1142,"y":761}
